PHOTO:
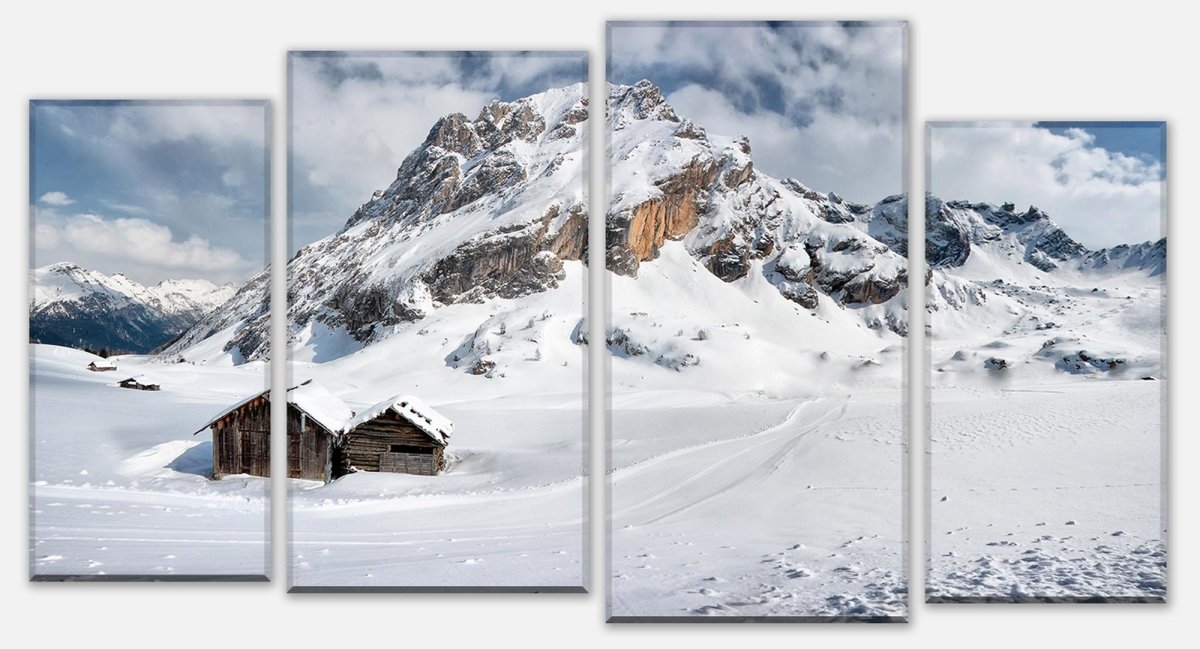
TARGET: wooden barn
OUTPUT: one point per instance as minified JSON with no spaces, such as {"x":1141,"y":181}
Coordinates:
{"x":139,"y":383}
{"x":315,"y":421}
{"x":397,"y":435}
{"x":326,"y":440}
{"x":102,"y":366}
{"x":241,"y":437}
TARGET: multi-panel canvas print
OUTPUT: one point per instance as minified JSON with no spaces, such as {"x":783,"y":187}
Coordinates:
{"x":437,"y":403}
{"x":756,"y":242}
{"x":149,"y":227}
{"x":1047,"y":244}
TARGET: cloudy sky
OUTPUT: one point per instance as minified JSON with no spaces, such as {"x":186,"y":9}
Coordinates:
{"x":154,"y":190}
{"x":821,"y":102}
{"x":1102,"y":182}
{"x":357,"y":115}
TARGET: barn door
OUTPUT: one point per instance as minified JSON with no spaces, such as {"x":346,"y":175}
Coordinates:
{"x":227,"y":459}
{"x":256,"y":452}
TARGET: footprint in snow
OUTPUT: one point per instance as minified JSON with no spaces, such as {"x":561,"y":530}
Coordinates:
{"x":712,"y":609}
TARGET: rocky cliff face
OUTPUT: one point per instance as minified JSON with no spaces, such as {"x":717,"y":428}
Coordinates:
{"x":673,"y":181}
{"x":484,"y":208}
{"x":952,"y":228}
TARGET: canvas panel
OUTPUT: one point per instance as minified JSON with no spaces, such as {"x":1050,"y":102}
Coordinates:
{"x":150,"y":223}
{"x":757,"y":235}
{"x":438,"y":222}
{"x":1047,"y":332}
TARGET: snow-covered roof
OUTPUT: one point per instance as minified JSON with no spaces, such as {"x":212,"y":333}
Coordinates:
{"x":103,"y":363}
{"x":230,"y":409}
{"x":321,"y":406}
{"x":417,"y":412}
{"x":140,"y":378}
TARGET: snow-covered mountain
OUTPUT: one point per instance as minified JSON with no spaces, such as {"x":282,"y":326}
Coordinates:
{"x":674,"y":181}
{"x":76,"y":307}
{"x":1013,"y":292}
{"x":493,"y":207}
{"x":485,"y":207}
{"x":737,"y":278}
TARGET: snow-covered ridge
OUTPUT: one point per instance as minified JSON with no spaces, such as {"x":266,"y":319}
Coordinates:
{"x":74,"y":306}
{"x":674,"y":181}
{"x":65,"y":281}
{"x":1012,"y":293}
{"x":484,"y":207}
{"x":957,"y":229}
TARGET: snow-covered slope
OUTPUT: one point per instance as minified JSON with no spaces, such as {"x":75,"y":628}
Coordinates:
{"x":1012,"y":286}
{"x":76,"y":307}
{"x":1046,"y":410}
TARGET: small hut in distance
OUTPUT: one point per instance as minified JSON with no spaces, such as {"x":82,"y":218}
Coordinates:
{"x":139,"y":383}
{"x":104,"y":365}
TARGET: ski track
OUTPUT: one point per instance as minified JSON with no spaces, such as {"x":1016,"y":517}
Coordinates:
{"x":776,"y":441}
{"x":860,"y":577}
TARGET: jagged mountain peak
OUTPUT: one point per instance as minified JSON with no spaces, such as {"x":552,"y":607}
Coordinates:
{"x":954,"y":228}
{"x":641,"y":101}
{"x":482,"y":208}
{"x":461,"y":159}
{"x":672,"y":180}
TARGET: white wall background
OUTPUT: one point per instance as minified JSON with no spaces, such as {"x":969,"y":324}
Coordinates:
{"x":1015,"y":59}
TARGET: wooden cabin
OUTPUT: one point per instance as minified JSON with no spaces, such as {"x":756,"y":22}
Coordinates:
{"x":241,"y":437}
{"x":326,"y":440}
{"x":315,"y":421}
{"x":139,"y":383}
{"x":102,"y":366}
{"x":397,"y":435}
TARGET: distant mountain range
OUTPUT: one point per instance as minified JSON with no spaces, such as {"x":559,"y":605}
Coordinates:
{"x":76,"y":307}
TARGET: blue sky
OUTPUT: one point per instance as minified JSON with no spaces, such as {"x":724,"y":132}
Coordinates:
{"x":1102,"y":182}
{"x":357,"y":115}
{"x":821,"y":102}
{"x":155,"y":190}
{"x":1138,"y":139}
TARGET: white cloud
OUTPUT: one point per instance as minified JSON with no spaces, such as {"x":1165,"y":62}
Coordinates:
{"x":46,"y":236}
{"x":835,"y":152}
{"x":233,"y":178}
{"x":126,"y":208}
{"x":136,"y":246}
{"x":221,"y":124}
{"x":1100,"y":197}
{"x":56,"y":198}
{"x":821,"y":102}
